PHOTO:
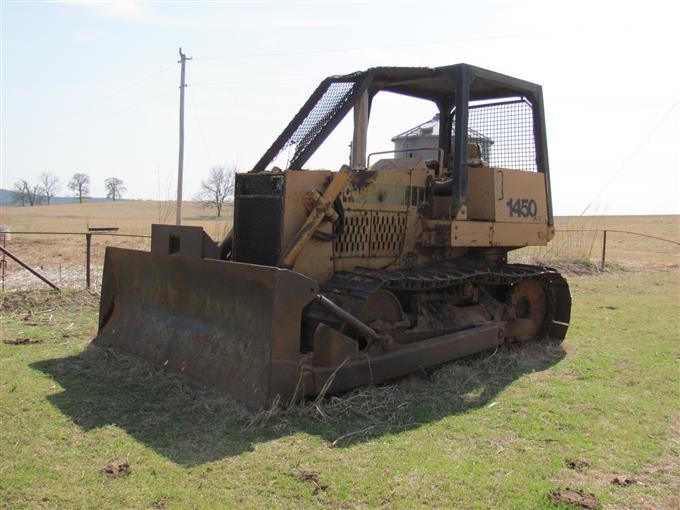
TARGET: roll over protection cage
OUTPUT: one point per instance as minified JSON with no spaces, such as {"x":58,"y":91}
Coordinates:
{"x":451,"y":88}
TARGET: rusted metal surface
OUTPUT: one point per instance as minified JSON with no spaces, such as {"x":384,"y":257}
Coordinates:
{"x":383,"y":306}
{"x":182,"y":240}
{"x":381,"y":366}
{"x":444,"y":287}
{"x":237,"y":327}
{"x":347,"y":317}
{"x":225,"y":323}
{"x":363,"y":178}
{"x":560,"y":305}
{"x":529,"y":305}
{"x":332,"y":348}
{"x":546,"y":313}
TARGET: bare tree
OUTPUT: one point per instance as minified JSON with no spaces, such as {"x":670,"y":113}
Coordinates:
{"x":114,"y":188}
{"x":35,"y":196}
{"x":80,"y":186}
{"x":25,"y":192}
{"x":50,"y":186}
{"x":19,"y":192}
{"x":217,"y":187}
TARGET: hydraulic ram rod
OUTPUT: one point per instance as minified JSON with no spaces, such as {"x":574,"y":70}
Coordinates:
{"x":353,"y":321}
{"x":316,"y":216}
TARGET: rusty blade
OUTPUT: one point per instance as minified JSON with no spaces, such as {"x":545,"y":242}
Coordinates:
{"x":233,"y":326}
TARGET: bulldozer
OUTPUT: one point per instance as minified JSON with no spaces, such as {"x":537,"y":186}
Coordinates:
{"x":330,"y":280}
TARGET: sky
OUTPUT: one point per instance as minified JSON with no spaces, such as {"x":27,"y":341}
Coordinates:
{"x":93,"y":86}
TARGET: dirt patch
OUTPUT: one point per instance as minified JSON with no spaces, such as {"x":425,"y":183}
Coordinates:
{"x":577,"y":464}
{"x":653,"y":487}
{"x":161,"y":504}
{"x":574,"y":497}
{"x":311,"y":477}
{"x":623,"y":481}
{"x":21,"y":341}
{"x":117,"y":470}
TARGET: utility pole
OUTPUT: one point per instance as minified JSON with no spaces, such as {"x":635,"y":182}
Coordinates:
{"x":180,"y":167}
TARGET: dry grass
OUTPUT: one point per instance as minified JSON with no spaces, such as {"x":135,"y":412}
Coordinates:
{"x":131,"y":217}
{"x":578,"y":243}
{"x":62,"y":258}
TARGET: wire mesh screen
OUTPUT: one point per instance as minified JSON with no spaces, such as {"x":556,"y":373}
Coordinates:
{"x":505,"y":134}
{"x":333,"y":99}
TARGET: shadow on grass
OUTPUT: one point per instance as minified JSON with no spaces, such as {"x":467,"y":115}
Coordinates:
{"x":191,"y":425}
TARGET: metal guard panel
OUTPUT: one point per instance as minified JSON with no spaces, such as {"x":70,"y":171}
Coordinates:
{"x":219,"y":322}
{"x":258,"y":214}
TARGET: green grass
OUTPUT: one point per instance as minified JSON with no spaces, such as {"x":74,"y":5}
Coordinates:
{"x":491,"y":431}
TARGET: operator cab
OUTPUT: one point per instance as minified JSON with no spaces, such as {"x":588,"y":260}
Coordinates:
{"x":501,"y":126}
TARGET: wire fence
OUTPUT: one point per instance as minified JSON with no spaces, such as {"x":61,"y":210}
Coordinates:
{"x":574,"y":248}
{"x":75,"y":260}
{"x":70,"y":260}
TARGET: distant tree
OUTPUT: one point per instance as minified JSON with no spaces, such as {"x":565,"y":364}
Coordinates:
{"x":49,"y":186}
{"x":35,"y":196}
{"x":217,"y":187}
{"x":114,"y":188}
{"x":24,"y":193}
{"x":80,"y":186}
{"x":19,"y":192}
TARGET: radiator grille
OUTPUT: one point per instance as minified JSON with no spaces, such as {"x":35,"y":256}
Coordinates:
{"x":258,"y":209}
{"x":387,"y":234}
{"x":371,"y":234}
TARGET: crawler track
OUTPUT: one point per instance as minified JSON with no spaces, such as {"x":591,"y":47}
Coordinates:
{"x":354,"y":287}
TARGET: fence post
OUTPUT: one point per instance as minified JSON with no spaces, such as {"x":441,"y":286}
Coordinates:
{"x":604,"y":249}
{"x":88,"y":249}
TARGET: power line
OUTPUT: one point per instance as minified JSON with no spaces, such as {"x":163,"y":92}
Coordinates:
{"x":88,"y":108}
{"x":248,"y":82}
{"x":570,"y":33}
{"x":135,"y":82}
{"x":366,"y":48}
{"x":637,"y":149}
{"x":132,"y":106}
{"x":91,"y":109}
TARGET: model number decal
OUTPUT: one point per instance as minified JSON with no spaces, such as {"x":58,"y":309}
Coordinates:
{"x":522,"y":207}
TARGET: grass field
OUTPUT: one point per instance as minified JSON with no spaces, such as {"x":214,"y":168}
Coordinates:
{"x":84,"y":427}
{"x":495,"y":431}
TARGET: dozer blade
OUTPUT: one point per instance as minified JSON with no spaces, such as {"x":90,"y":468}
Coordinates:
{"x":233,"y":326}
